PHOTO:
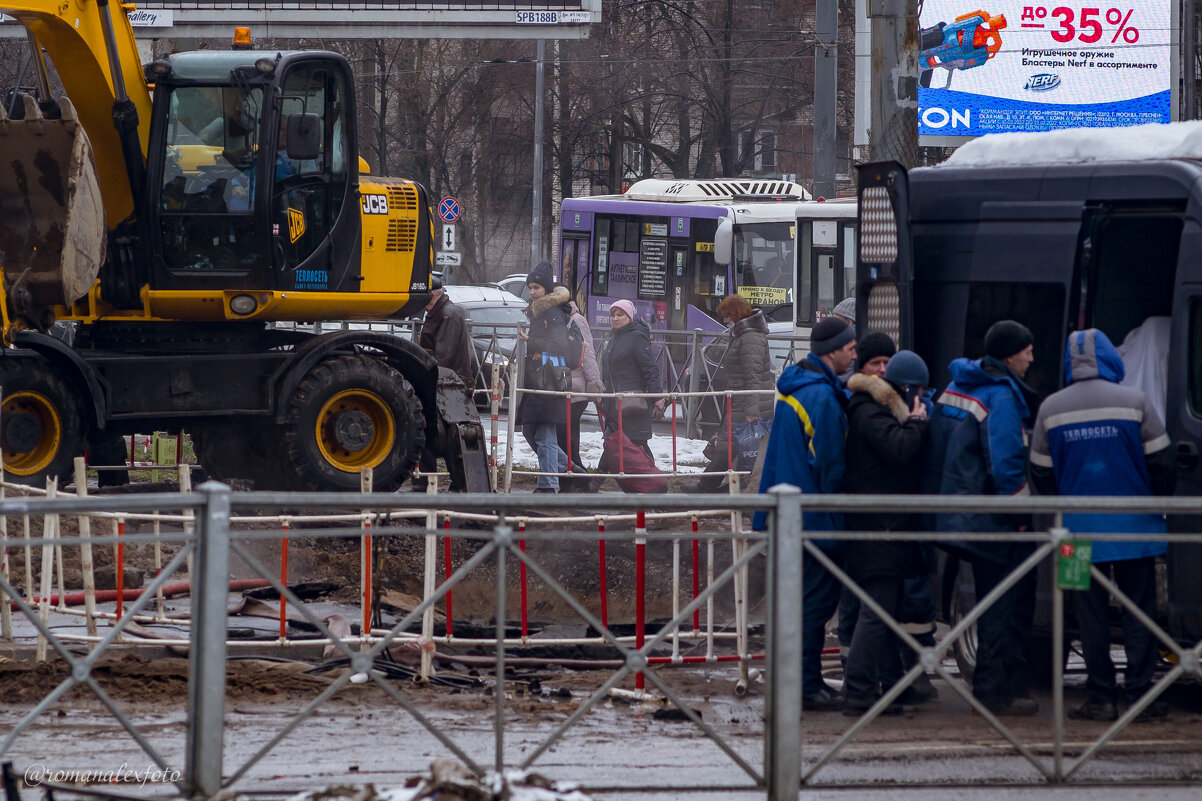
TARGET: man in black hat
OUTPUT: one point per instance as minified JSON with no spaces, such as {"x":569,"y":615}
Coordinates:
{"x":978,"y":447}
{"x":445,"y":337}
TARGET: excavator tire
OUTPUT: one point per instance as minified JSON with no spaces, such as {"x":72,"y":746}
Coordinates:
{"x":351,"y":412}
{"x":41,"y":425}
{"x":241,"y":450}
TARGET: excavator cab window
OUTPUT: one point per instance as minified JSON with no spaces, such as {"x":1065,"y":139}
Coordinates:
{"x":207,"y":200}
{"x":307,"y":193}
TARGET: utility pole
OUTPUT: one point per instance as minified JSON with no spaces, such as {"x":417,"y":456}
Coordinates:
{"x":826,"y":63}
{"x":536,"y":224}
{"x":894,"y":132}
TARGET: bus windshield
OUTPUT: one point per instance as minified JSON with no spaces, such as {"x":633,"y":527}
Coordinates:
{"x":763,"y":261}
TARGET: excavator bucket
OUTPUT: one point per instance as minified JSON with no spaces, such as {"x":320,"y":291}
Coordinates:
{"x":52,"y":224}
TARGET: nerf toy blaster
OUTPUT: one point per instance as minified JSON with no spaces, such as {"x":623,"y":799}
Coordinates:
{"x":969,"y":41}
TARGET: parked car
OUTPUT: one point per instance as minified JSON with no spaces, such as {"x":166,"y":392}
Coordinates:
{"x":494,"y":316}
{"x":515,"y":283}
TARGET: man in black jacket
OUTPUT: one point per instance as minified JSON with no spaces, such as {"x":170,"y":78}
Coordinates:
{"x":886,"y":437}
{"x":445,"y":337}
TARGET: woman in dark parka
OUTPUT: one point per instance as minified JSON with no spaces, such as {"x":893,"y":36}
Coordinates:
{"x":546,"y":338}
{"x":886,"y":441}
{"x":628,"y":366}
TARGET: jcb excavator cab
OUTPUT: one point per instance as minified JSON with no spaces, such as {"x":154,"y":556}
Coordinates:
{"x":249,"y":206}
{"x":236,"y":203}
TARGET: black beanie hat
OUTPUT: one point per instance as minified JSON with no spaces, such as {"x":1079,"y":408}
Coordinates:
{"x":830,"y":335}
{"x":874,"y":344}
{"x":1006,"y":338}
{"x":543,"y":275}
{"x":436,"y":282}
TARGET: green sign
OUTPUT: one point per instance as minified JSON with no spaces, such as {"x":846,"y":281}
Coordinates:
{"x":1072,"y":565}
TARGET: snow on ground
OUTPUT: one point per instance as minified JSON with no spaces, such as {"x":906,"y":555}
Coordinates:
{"x":688,"y":451}
{"x":1080,"y":145}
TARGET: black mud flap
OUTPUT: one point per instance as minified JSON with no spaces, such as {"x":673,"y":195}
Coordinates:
{"x":884,"y":253}
{"x":461,"y":435}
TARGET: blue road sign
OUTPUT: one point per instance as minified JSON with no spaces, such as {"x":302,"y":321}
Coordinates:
{"x":448,"y":209}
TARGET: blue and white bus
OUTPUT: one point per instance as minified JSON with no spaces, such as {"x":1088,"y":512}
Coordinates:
{"x":676,"y":248}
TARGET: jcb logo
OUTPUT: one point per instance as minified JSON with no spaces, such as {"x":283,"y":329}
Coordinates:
{"x":375,"y":204}
{"x":296,"y":224}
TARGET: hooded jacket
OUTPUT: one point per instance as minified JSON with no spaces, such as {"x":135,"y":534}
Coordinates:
{"x":548,"y":334}
{"x":805,"y":448}
{"x":748,"y":365}
{"x":1095,"y":437}
{"x":979,"y":446}
{"x":628,"y":366}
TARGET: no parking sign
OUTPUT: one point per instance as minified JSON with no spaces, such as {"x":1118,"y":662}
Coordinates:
{"x":448,"y":209}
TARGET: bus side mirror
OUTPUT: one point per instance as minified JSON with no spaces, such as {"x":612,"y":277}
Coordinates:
{"x":723,"y":239}
{"x":304,"y":136}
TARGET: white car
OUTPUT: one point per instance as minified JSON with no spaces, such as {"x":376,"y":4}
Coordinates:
{"x":515,"y":283}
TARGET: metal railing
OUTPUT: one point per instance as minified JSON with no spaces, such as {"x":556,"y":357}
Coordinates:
{"x":784,"y":543}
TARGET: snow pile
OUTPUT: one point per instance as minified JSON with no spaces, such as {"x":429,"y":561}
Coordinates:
{"x":688,"y":451}
{"x":448,"y":780}
{"x":1083,"y":145}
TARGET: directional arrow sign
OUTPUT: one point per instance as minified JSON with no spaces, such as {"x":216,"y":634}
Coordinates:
{"x":448,"y":237}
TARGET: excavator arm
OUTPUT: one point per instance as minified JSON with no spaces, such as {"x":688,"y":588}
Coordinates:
{"x":73,"y":166}
{"x":72,"y":34}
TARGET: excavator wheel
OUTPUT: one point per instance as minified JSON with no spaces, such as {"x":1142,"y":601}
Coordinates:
{"x":351,"y":412}
{"x":41,"y":427}
{"x":241,"y":450}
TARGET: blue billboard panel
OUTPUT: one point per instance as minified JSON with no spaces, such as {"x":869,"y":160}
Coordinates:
{"x":1026,"y":67}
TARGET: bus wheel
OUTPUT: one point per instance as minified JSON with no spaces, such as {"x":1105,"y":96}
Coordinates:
{"x":348,"y":413}
{"x":41,"y":429}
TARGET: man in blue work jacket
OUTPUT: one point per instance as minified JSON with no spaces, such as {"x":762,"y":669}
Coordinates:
{"x":1096,"y":437}
{"x":805,"y":449}
{"x":978,"y":447}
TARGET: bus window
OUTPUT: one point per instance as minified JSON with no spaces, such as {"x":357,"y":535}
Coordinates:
{"x":600,"y":271}
{"x":763,"y":255}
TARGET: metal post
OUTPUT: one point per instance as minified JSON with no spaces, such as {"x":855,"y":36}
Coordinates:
{"x":826,"y":60}
{"x":501,"y":536}
{"x":691,"y":420}
{"x":782,"y":743}
{"x":1189,"y":61}
{"x":1059,"y":535}
{"x":894,"y":131}
{"x":206,"y":652}
{"x":536,"y":225}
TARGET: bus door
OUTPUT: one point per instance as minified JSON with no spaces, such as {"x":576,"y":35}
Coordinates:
{"x":826,"y":267}
{"x":679,"y":271}
{"x":573,"y":267}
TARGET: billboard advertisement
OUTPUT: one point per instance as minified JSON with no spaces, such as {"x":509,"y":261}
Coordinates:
{"x":1025,"y":66}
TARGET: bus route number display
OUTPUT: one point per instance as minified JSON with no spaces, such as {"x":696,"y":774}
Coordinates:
{"x":653,"y":268}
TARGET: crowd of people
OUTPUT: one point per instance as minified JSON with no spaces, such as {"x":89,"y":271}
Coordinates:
{"x":862,"y":418}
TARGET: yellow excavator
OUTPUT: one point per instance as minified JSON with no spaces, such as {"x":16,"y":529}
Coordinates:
{"x":158,"y":222}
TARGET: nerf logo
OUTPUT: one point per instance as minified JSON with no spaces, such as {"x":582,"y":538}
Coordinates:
{"x":940,"y":118}
{"x":1042,"y":82}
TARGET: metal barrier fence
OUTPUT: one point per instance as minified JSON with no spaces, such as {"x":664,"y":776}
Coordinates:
{"x":689,"y":361}
{"x":782,"y":773}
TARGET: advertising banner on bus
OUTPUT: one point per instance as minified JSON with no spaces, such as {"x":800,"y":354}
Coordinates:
{"x":1029,"y":66}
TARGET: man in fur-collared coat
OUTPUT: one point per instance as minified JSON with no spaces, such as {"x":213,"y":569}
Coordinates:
{"x":886,"y":439}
